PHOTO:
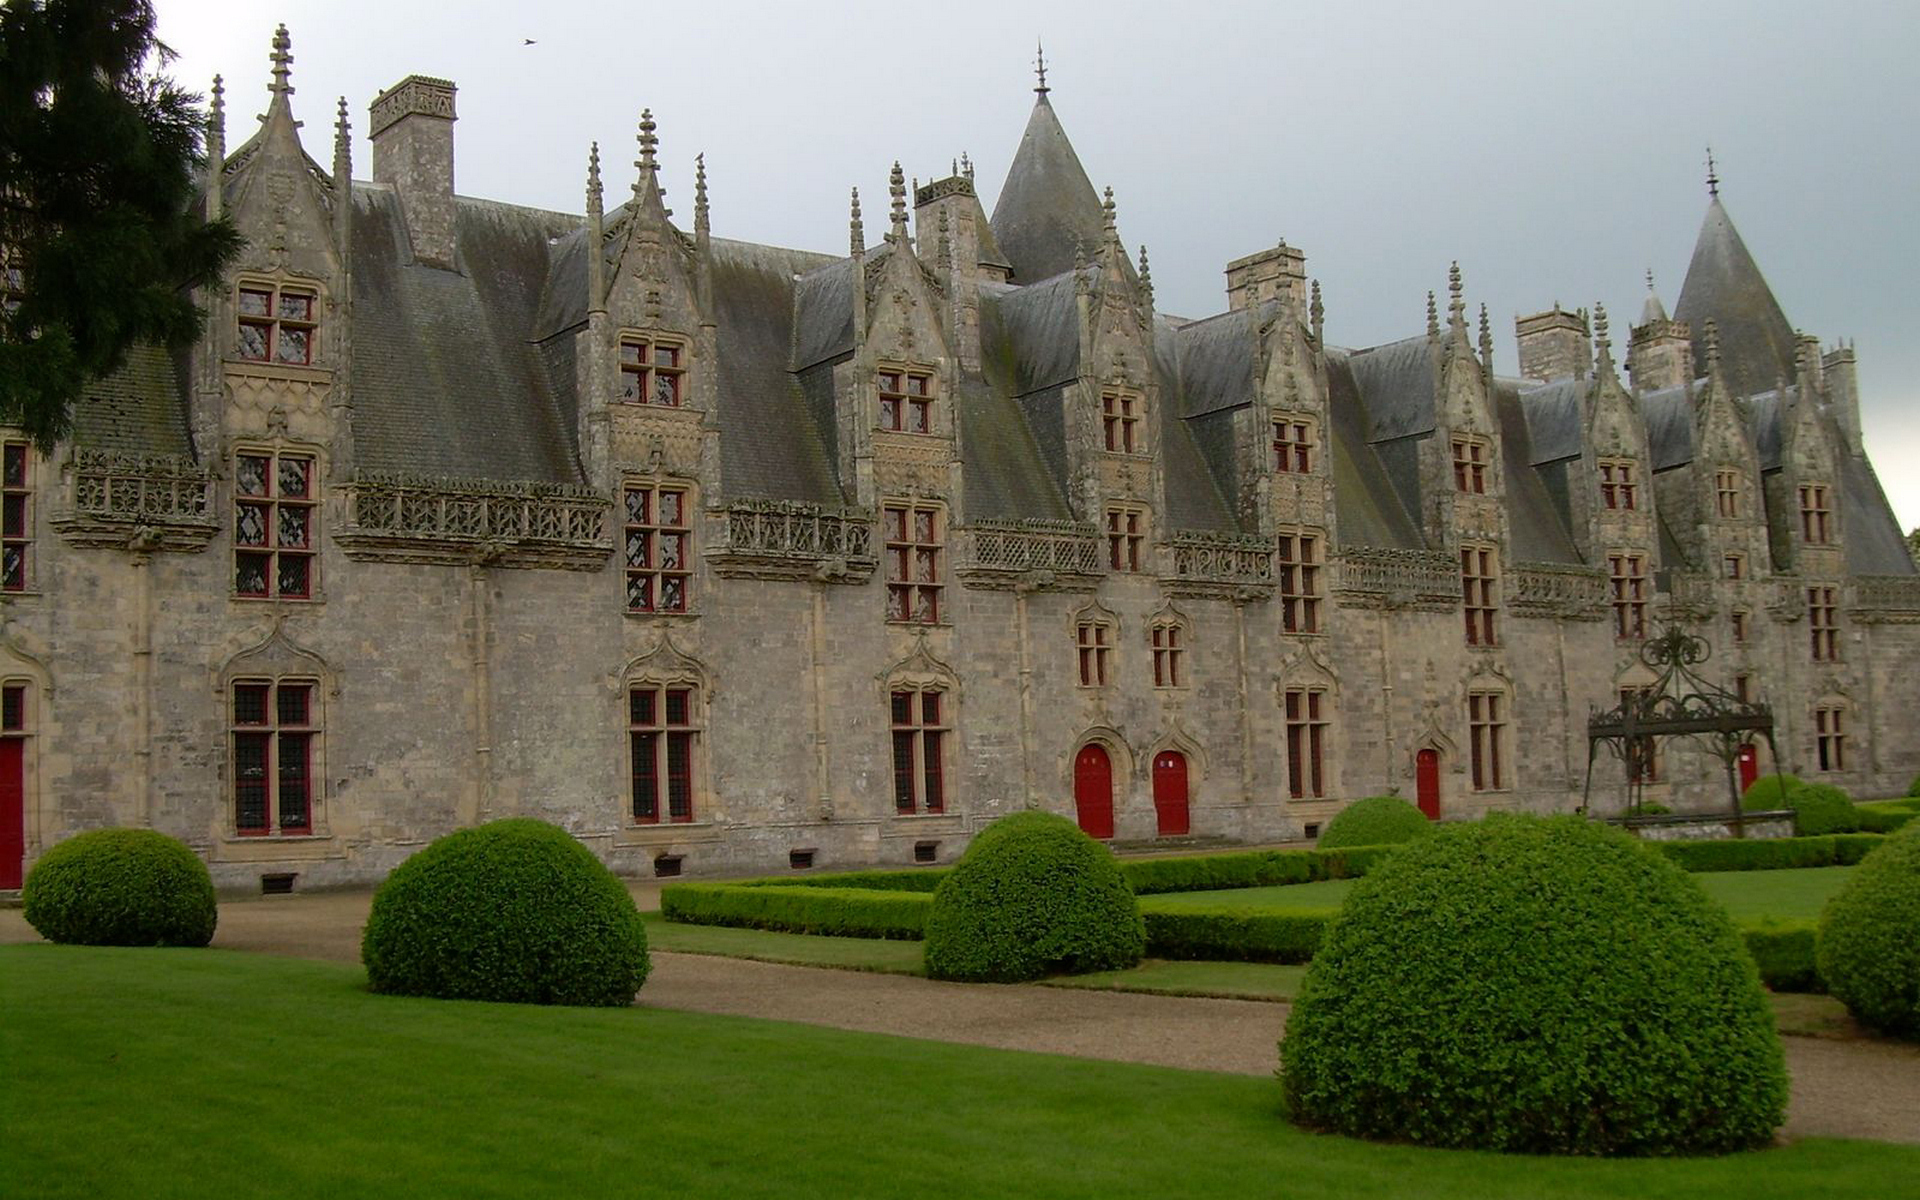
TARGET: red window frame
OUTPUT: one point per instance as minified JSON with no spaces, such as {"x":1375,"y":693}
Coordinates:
{"x":1297,"y":565}
{"x":1470,"y":465}
{"x":1126,"y":530}
{"x":663,"y":736}
{"x":1486,"y":728}
{"x":274,"y":724}
{"x":1292,"y":446}
{"x":1094,"y":642}
{"x":906,"y":400}
{"x":275,"y":518}
{"x":1120,"y":421}
{"x":919,"y":728}
{"x":659,"y":547}
{"x":1740,"y":617}
{"x":1823,"y":622}
{"x":652,"y":371}
{"x":1617,"y":488}
{"x":1816,"y":515}
{"x":1726,"y":489}
{"x":1307,"y":725}
{"x":1480,"y":598}
{"x":1168,"y":669}
{"x":16,"y":516}
{"x":915,"y":546}
{"x":1830,"y":737}
{"x":1734,"y":566}
{"x":1627,"y":576}
{"x":276,"y":324}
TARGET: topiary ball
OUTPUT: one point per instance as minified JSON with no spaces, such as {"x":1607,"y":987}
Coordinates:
{"x":1770,"y":792}
{"x":121,"y":887}
{"x":515,"y":911}
{"x":1820,"y":808}
{"x":1375,"y":821}
{"x":1032,"y":896}
{"x":1534,"y":985}
{"x":1868,"y":950}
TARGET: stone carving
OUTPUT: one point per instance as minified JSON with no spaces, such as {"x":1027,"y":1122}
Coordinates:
{"x":407,"y":518}
{"x":1427,"y":580}
{"x":1689,"y":597}
{"x":149,"y":502}
{"x":1557,"y":590}
{"x":780,"y":539}
{"x":1886,"y":599}
{"x":1207,"y":563}
{"x":1035,"y":553}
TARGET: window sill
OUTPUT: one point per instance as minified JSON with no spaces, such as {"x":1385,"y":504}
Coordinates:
{"x":911,"y":625}
{"x":667,"y":833}
{"x":299,"y":601}
{"x":643,"y":615}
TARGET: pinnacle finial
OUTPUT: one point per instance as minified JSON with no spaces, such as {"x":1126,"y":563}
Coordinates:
{"x":897,"y":188}
{"x":966,"y":165}
{"x":1317,"y":312}
{"x":1146,"y":272}
{"x":219,"y":101}
{"x":342,"y":148}
{"x":1713,"y":348}
{"x":1602,"y":340}
{"x":1433,"y":317}
{"x":856,"y":231}
{"x":217,"y":126}
{"x":1486,"y":338}
{"x":1713,"y":177}
{"x":1108,"y":213}
{"x":700,"y":191}
{"x":647,"y":162}
{"x":1456,"y":304}
{"x":1649,"y":279}
{"x":282,"y":62}
{"x":595,"y":201}
{"x":1040,"y":68}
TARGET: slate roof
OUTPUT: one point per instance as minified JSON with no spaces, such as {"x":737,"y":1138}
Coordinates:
{"x":1724,"y":285}
{"x":1047,"y":206}
{"x":139,"y":409}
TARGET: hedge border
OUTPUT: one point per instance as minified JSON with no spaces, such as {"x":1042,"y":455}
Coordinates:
{"x":827,"y":911}
{"x":1771,"y":854}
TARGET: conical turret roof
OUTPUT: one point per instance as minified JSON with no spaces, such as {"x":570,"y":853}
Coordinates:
{"x":1724,"y":285}
{"x":1047,"y":207}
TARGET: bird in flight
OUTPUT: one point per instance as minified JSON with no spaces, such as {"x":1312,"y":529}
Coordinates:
{"x":527,"y":42}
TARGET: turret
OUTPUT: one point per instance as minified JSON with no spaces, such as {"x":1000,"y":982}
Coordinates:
{"x":1659,"y":348}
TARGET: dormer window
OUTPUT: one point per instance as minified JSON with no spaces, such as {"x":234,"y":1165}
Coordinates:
{"x":1470,"y":456}
{"x":1726,"y":491}
{"x":1816,"y":515}
{"x":276,"y":325}
{"x":1292,"y":445}
{"x":906,"y":400}
{"x":652,"y":371}
{"x":1617,"y":488}
{"x":1120,"y":420}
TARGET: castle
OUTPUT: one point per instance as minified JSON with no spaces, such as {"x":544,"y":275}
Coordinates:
{"x":726,"y":556}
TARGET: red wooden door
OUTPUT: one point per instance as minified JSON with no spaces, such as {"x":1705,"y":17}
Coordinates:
{"x":1749,"y":762}
{"x":13,"y":810}
{"x":1093,"y":791}
{"x":1427,"y":782}
{"x":1170,"y":792}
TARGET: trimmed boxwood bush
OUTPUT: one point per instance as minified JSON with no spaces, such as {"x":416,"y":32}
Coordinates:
{"x":1375,"y":821}
{"x":1536,"y":985}
{"x":826,"y":911}
{"x":1235,"y":934}
{"x":1032,"y":896}
{"x":1869,"y":947}
{"x":1883,"y":820}
{"x":121,"y":887}
{"x":513,"y":910}
{"x":1767,"y":793}
{"x":1818,"y":808}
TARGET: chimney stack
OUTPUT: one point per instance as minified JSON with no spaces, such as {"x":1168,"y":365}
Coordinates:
{"x":411,"y":124}
{"x":1554,"y":345}
{"x":1267,"y":276}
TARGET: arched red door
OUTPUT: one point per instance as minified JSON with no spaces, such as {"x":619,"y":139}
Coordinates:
{"x":1749,"y":762}
{"x":1093,"y":790}
{"x":1170,"y":792}
{"x":1427,"y":782}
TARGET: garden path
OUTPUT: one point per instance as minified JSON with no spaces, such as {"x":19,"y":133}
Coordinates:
{"x":1865,"y":1089}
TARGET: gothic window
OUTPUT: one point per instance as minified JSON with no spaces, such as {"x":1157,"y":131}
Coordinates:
{"x":273,"y":525}
{"x":659,"y":531}
{"x":276,"y":324}
{"x":1628,"y":578}
{"x":653,"y":370}
{"x":1734,"y":566}
{"x":1740,"y":619}
{"x":906,"y":400}
{"x":1120,"y":421}
{"x":1094,"y":641}
{"x":16,"y":517}
{"x":1126,"y":531}
{"x":1306,"y":712}
{"x":1292,"y":445}
{"x":1487,"y":734}
{"x":1726,"y":492}
{"x":1830,"y":737}
{"x":918,"y":717}
{"x":1816,"y":517}
{"x":1480,"y":597}
{"x":663,"y":736}
{"x":914,"y":547}
{"x":275,"y":724}
{"x":1617,"y":489}
{"x":1297,"y":562}
{"x":1823,"y":622}
{"x":1168,"y":640}
{"x":1470,"y":456}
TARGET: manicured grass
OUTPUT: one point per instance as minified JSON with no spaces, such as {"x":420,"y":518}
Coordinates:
{"x":191,"y":1073}
{"x":854,"y":954}
{"x":1232,"y":980}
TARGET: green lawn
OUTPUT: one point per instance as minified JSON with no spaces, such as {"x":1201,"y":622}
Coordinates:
{"x":1232,"y":980}
{"x":193,"y":1073}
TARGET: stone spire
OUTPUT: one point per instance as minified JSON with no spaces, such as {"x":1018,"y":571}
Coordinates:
{"x":648,"y":163}
{"x":596,"y":199}
{"x":1652,"y":310}
{"x":596,"y":234}
{"x":1317,"y":313}
{"x":897,"y":188}
{"x":1047,"y":204}
{"x":282,"y":57}
{"x":702,"y":219}
{"x":216,"y":150}
{"x":966,"y":165}
{"x":856,"y":230}
{"x":1602,"y":343}
{"x":1724,"y":285}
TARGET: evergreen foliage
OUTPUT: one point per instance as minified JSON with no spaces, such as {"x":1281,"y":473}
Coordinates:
{"x":1032,"y":896}
{"x":121,"y":887}
{"x":1818,"y":808}
{"x":515,"y":911}
{"x":1375,"y":821}
{"x":1869,"y":945}
{"x":1534,"y":985}
{"x":98,"y":158}
{"x":1769,"y":792}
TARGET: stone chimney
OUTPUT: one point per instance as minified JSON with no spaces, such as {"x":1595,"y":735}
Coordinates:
{"x":1554,"y":345}
{"x":411,"y":124}
{"x":1843,"y":392}
{"x":1267,"y":276}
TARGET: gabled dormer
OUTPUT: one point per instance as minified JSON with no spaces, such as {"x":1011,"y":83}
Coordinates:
{"x":1460,"y":465}
{"x":1804,"y":520}
{"x":1611,"y":496}
{"x":1285,"y":443}
{"x":1725,"y":478}
{"x":1113,"y":416}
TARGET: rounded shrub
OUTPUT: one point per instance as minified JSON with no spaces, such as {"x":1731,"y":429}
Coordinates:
{"x":1032,"y":896}
{"x":1534,"y":985}
{"x":1913,"y":789}
{"x":1769,"y":791}
{"x":1375,"y":821}
{"x":1818,"y":808}
{"x":513,"y":910}
{"x":121,"y":887}
{"x":1868,"y":950}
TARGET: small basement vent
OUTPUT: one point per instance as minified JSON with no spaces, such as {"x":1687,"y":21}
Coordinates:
{"x":1313,"y":830}
{"x":926,"y":852}
{"x":666,"y":866}
{"x":277,"y":885}
{"x":800,"y":860}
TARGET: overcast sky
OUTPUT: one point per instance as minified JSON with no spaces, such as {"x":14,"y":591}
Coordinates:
{"x":1555,"y":149}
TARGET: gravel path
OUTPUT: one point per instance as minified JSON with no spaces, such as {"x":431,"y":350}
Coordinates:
{"x":1863,"y":1089}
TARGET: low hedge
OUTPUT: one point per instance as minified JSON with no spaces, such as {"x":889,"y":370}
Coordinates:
{"x":1375,"y":821}
{"x":1785,"y":953}
{"x":798,"y":908}
{"x":925,"y":879}
{"x":1248,"y":869}
{"x":1236,"y":935}
{"x":121,"y":887}
{"x":1885,"y":820}
{"x":1771,"y":854}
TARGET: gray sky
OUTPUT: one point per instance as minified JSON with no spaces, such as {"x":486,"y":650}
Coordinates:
{"x":1555,"y":149}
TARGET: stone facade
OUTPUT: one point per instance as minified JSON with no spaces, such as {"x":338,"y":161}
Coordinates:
{"x":717,"y":554}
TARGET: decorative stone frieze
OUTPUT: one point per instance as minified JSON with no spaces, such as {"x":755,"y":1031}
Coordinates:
{"x":1427,"y":580}
{"x":137,"y":501}
{"x":1219,"y":564}
{"x":779,"y":539}
{"x":1886,"y":600}
{"x":1557,"y":590}
{"x":410,"y":518}
{"x":1689,"y":597}
{"x":1030,"y":555}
